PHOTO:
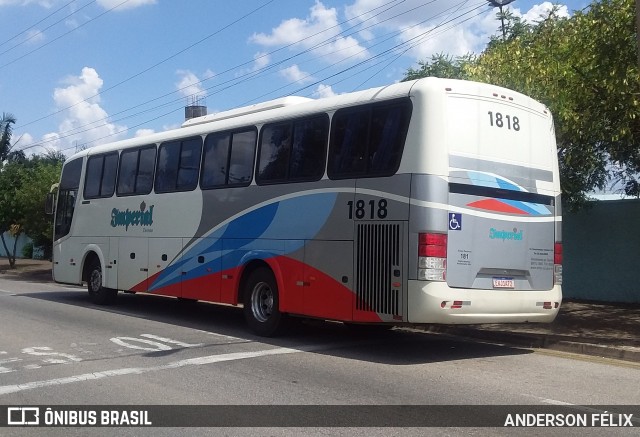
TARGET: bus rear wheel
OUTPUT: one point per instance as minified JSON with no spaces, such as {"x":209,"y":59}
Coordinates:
{"x":99,"y":295}
{"x":261,"y":303}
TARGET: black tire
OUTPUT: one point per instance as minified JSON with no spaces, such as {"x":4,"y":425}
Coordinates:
{"x":99,"y":294}
{"x":261,"y":303}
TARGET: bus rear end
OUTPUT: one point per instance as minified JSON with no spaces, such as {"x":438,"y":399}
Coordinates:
{"x":486,"y":223}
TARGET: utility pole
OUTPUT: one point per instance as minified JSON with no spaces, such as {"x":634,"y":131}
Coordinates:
{"x":501,"y":3}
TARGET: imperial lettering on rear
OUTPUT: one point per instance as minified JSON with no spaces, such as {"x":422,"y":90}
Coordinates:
{"x":516,"y":235}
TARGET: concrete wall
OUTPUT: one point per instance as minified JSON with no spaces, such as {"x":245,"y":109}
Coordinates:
{"x":22,"y":240}
{"x":601,"y":245}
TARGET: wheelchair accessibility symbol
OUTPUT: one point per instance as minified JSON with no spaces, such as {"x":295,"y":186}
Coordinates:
{"x":455,"y":221}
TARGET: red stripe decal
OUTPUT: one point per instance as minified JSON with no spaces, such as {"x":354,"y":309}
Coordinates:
{"x":496,"y":205}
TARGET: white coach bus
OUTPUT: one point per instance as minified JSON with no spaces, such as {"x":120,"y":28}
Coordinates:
{"x":431,"y":201}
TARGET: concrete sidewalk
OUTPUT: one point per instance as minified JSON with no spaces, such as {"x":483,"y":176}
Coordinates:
{"x":590,"y":328}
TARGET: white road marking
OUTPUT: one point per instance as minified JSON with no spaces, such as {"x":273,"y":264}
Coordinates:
{"x":211,"y":359}
{"x":6,"y":361}
{"x":169,"y":340}
{"x":555,"y":402}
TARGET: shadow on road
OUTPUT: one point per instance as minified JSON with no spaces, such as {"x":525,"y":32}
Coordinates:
{"x":394,"y":347}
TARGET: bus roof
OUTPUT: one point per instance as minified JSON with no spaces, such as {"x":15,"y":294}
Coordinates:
{"x":291,"y":106}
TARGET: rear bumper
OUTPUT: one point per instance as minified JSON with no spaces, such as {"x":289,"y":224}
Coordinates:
{"x":433,"y":302}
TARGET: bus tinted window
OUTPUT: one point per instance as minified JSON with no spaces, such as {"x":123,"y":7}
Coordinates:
{"x":93,"y":177}
{"x":274,"y":153}
{"x":243,"y":149}
{"x":368,"y":140}
{"x":110,"y":169}
{"x":309,"y":148}
{"x":228,"y":159}
{"x":293,"y":151}
{"x":136,"y":171}
{"x":100,"y":177}
{"x":178,"y":164}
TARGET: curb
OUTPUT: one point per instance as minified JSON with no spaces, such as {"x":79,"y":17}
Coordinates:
{"x":537,"y":341}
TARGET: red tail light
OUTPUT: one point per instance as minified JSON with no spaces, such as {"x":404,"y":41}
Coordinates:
{"x":557,"y":253}
{"x":432,"y":256}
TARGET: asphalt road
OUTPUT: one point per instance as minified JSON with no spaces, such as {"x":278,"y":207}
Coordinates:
{"x":57,"y":348}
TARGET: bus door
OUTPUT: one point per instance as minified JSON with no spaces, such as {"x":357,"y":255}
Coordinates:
{"x":133,"y":255}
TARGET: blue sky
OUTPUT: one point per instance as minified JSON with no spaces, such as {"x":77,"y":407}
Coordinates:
{"x":87,"y":72}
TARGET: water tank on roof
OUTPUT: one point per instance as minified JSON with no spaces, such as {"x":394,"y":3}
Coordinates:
{"x":194,"y":111}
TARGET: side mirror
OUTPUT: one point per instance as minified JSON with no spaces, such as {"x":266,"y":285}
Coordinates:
{"x":50,"y":204}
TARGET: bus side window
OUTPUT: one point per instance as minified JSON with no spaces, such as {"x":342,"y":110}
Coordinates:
{"x":189,"y":164}
{"x":127,"y":173}
{"x":384,"y":148}
{"x":243,"y":149}
{"x":309,"y":148}
{"x":214,"y":160}
{"x":228,"y":159}
{"x":144,"y":181}
{"x":178,"y":165}
{"x":275,"y":146}
{"x":136,"y":171}
{"x":368,"y":141}
{"x":348,"y":143}
{"x":109,"y":171}
{"x":100,"y":176}
{"x":168,"y":160}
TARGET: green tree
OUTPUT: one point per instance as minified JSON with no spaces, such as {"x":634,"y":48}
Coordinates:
{"x":6,"y":130}
{"x":23,"y":189}
{"x":584,"y":68}
{"x":42,"y":172}
{"x":11,"y":179}
{"x":442,"y":65}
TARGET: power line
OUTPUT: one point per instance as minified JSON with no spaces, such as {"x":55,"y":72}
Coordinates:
{"x":253,"y":75}
{"x":62,"y":36}
{"x":46,"y":28}
{"x":75,"y":131}
{"x":149,"y":68}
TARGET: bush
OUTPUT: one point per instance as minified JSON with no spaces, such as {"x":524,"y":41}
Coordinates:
{"x":27,"y":250}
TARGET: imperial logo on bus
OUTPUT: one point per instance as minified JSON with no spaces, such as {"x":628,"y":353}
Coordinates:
{"x":503,"y":235}
{"x":126,"y":218}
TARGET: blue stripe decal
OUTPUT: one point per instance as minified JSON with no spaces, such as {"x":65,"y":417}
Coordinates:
{"x":487,"y":180}
{"x":262,"y":231}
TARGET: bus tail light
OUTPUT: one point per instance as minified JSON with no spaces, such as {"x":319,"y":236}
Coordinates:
{"x":557,"y":263}
{"x":432,"y":257}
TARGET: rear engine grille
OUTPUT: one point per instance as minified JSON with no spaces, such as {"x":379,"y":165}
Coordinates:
{"x":378,"y":270}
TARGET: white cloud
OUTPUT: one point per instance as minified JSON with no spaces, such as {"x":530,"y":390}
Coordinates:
{"x":192,"y":86}
{"x":260,"y":60}
{"x":34,"y":36}
{"x":323,"y":91}
{"x":294,"y":74}
{"x":320,"y":32}
{"x":85,"y":122}
{"x":131,"y":4}
{"x":541,"y":12}
{"x":438,"y":27}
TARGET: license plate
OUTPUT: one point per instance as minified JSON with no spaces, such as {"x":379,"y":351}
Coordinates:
{"x":504,"y":283}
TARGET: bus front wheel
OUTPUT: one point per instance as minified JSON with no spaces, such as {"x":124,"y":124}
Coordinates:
{"x":261,"y":303}
{"x":99,"y":294}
